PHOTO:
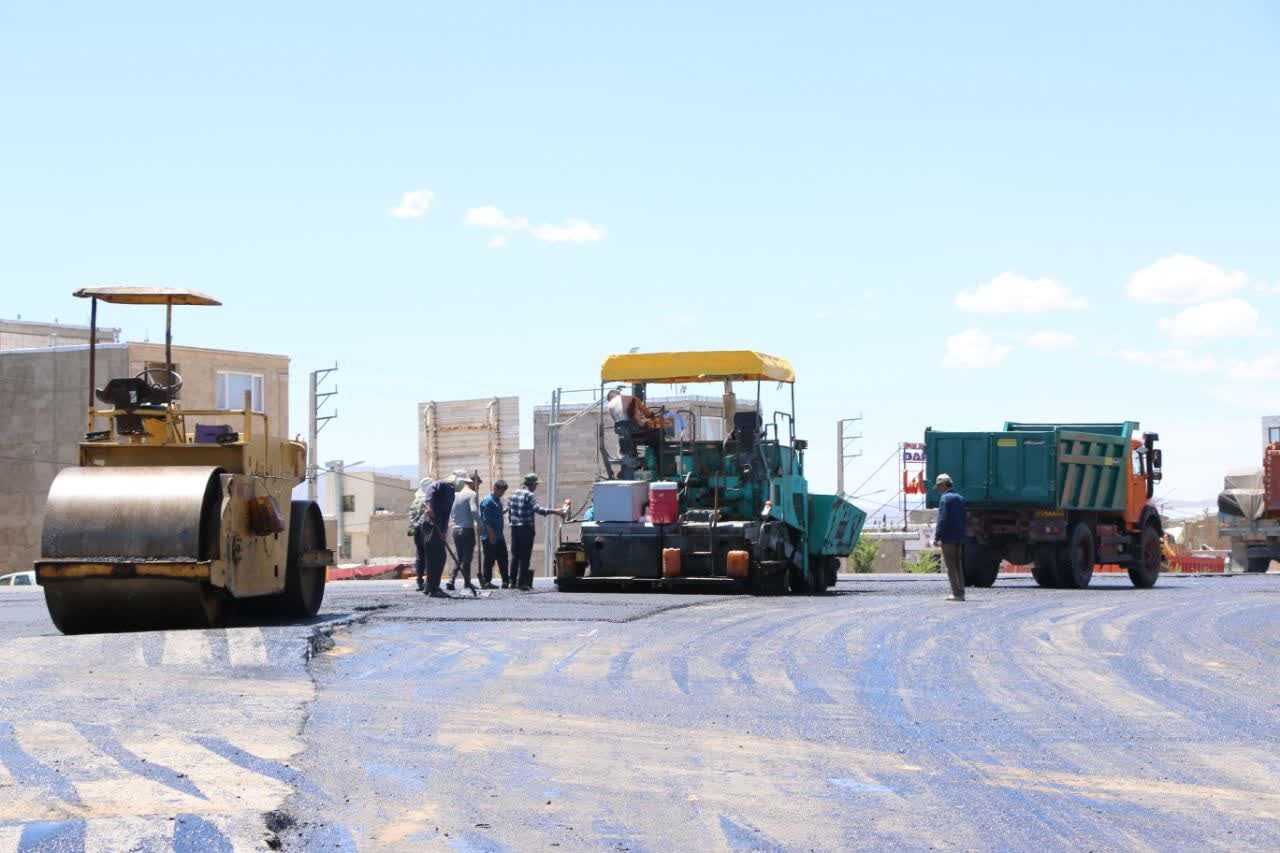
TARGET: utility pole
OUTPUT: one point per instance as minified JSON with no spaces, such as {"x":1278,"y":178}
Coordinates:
{"x":337,"y":471}
{"x":844,"y":442}
{"x":317,"y":423}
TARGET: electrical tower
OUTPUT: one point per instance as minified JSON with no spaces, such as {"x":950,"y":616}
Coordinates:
{"x":845,"y":439}
{"x":318,"y":422}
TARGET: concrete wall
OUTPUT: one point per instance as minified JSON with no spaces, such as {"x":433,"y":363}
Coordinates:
{"x":44,"y":395}
{"x":388,"y":541}
{"x":24,"y":334}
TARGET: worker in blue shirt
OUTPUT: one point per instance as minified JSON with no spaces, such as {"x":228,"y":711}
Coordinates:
{"x":493,"y":542}
{"x":951,"y":534}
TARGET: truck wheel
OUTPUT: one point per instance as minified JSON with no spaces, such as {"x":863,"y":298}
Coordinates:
{"x":1045,"y":567}
{"x":981,"y":564}
{"x":1258,"y":565}
{"x":1146,"y":571}
{"x":1081,"y":556}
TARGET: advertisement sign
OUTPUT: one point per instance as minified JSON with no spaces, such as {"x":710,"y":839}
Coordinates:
{"x":912,"y":453}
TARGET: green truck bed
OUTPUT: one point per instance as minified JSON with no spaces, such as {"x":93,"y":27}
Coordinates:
{"x":1035,"y":466}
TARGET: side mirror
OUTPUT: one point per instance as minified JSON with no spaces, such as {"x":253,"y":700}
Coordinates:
{"x":1157,"y":465}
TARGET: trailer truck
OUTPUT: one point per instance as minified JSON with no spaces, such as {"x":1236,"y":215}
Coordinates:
{"x":1249,"y":513}
{"x":1063,"y":497}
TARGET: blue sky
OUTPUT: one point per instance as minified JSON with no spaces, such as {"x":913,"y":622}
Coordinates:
{"x":822,"y":183}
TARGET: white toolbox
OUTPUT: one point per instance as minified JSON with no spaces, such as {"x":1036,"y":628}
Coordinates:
{"x":619,"y":500}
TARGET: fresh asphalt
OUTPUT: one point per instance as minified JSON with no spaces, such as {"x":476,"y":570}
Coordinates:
{"x":878,"y":717}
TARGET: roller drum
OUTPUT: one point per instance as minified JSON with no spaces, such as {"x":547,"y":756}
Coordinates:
{"x":130,"y":516}
{"x":137,"y":514}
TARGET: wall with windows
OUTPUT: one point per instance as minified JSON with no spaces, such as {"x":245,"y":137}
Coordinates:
{"x":217,"y":379}
{"x":1270,"y":429}
{"x":365,"y":496}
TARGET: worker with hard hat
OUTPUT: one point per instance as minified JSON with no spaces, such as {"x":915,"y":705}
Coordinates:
{"x":521,"y":509}
{"x":464,"y":517}
{"x":951,"y":534}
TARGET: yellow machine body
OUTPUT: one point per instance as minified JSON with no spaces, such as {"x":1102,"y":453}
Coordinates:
{"x":162,"y":524}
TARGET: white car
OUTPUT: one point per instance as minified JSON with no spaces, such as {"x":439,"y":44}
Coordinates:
{"x":27,"y":578}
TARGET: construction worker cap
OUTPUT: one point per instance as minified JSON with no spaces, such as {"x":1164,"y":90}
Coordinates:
{"x":943,"y":478}
{"x":530,"y":479}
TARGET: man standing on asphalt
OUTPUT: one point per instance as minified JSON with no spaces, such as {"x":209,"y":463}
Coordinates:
{"x":465,"y":515}
{"x":951,"y":534}
{"x":493,"y":542}
{"x":521,"y":509}
{"x":437,"y":498}
{"x":417,"y":516}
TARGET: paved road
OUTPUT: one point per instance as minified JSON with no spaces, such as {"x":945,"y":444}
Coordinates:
{"x":878,"y":717}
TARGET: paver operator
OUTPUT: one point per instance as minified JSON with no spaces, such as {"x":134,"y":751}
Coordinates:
{"x":521,"y":509}
{"x":950,"y":534}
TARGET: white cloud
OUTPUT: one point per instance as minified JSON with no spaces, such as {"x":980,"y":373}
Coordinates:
{"x":498,"y":241}
{"x":974,"y":349}
{"x":1010,"y":293}
{"x":492,"y":217}
{"x":1262,"y":369}
{"x":1051,"y":340}
{"x":1182,"y":280}
{"x":413,"y":204}
{"x":1225,"y":318}
{"x":572,"y":231}
{"x":1247,"y":395}
{"x":1173,"y":360}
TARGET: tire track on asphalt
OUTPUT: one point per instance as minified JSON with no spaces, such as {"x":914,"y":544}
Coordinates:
{"x":881,"y":681}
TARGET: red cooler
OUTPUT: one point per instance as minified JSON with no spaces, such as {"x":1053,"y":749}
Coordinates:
{"x":664,"y":503}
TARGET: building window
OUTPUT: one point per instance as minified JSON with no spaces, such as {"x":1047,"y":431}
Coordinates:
{"x":1273,"y":435}
{"x":231,"y":388}
{"x":345,"y":550}
{"x":710,"y":428}
{"x":348,"y":503}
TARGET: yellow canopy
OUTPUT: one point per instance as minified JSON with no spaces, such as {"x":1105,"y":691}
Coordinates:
{"x":716,"y":366}
{"x":147,"y":295}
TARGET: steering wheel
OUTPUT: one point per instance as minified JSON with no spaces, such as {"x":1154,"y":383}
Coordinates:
{"x":170,"y":387}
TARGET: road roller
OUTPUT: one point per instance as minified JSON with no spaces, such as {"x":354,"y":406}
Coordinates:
{"x":176,"y":518}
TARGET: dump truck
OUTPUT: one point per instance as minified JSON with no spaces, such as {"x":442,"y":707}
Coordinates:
{"x":1249,"y":513}
{"x":1063,"y":497}
{"x":731,"y":512}
{"x":173,"y":516}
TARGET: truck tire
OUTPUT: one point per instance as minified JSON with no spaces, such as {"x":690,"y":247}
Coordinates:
{"x":981,"y":564}
{"x":1257,"y":565}
{"x":1045,"y":567}
{"x":1146,"y":571}
{"x":1080,"y":558}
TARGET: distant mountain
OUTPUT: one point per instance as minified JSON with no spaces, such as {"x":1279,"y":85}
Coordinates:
{"x":409,"y":472}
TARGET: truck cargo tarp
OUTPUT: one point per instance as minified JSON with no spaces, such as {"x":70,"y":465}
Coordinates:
{"x":714,"y":366}
{"x":1242,"y":494}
